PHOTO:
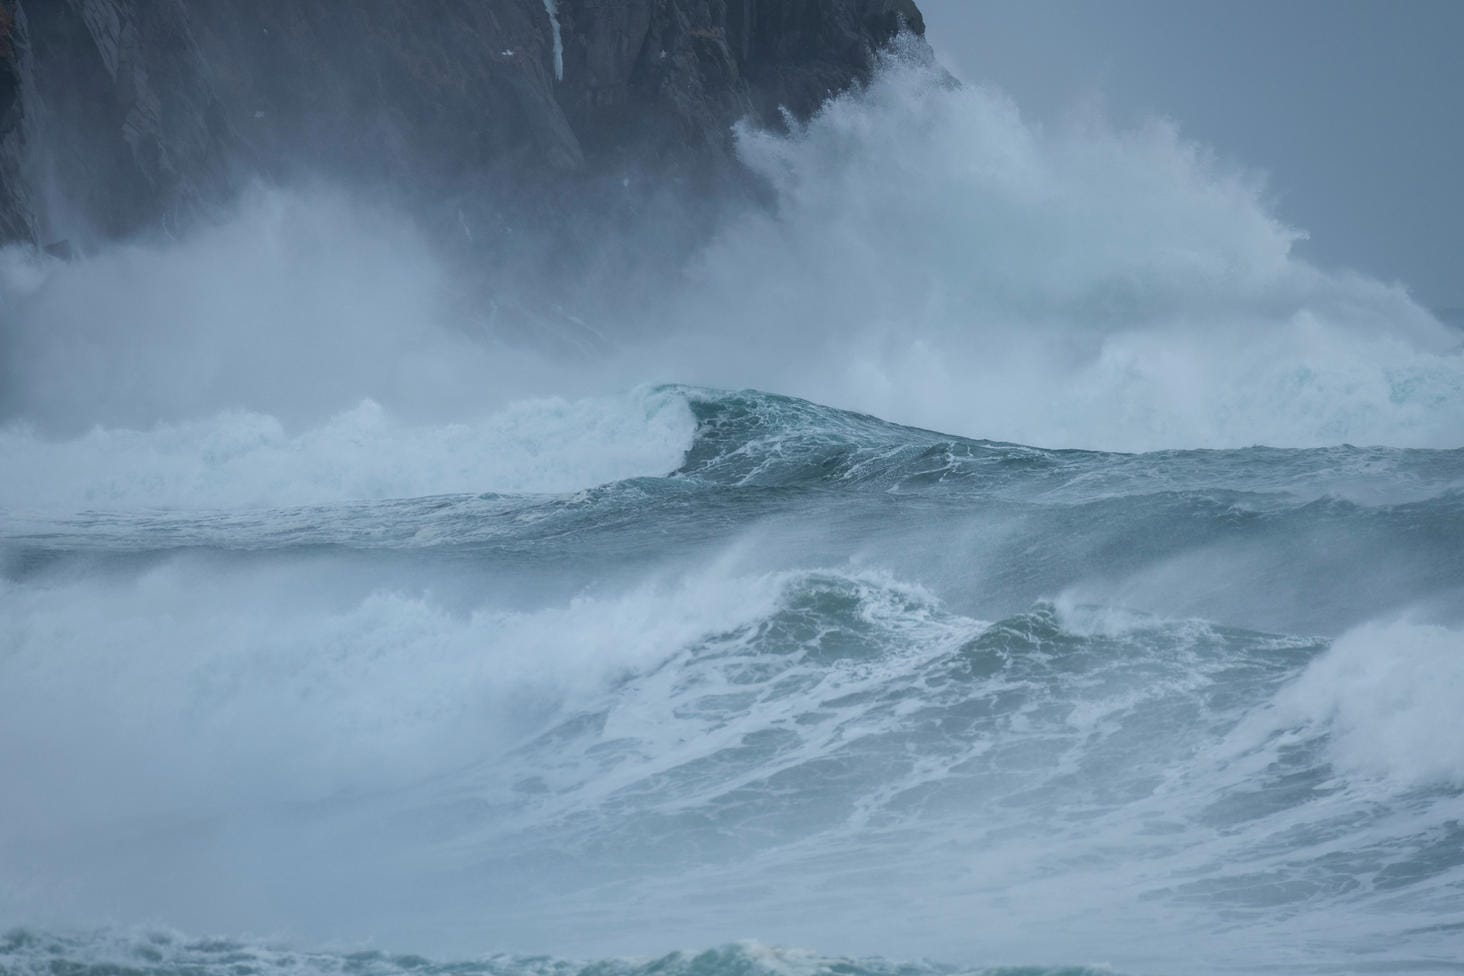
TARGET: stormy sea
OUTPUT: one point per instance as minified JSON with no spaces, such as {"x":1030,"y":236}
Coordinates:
{"x":999,"y":552}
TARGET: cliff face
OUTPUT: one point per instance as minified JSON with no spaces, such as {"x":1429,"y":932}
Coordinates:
{"x":116,"y":115}
{"x":16,"y":209}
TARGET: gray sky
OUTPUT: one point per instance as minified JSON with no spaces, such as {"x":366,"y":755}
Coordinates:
{"x":1353,"y":108}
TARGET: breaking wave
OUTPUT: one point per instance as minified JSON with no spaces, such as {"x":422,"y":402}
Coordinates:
{"x":331,"y":614}
{"x":937,"y":259}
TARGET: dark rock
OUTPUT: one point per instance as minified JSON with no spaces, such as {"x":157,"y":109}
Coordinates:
{"x":124,"y":123}
{"x":17,"y":209}
{"x":117,"y":116}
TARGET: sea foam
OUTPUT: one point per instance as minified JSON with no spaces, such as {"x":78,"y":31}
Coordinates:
{"x":1388,"y":694}
{"x":248,"y":459}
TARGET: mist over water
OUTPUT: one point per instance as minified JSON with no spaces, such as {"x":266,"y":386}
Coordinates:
{"x":960,"y":268}
{"x":931,"y":258}
{"x":333,"y":612}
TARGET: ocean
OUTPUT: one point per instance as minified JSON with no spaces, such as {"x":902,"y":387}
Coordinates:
{"x":1002,"y":552}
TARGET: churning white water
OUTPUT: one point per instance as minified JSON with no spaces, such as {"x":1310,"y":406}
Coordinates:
{"x":329,"y":616}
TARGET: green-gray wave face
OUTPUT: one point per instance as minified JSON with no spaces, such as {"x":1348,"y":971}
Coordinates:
{"x":830,"y":682}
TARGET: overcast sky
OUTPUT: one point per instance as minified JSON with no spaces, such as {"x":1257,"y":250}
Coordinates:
{"x":1353,"y":108}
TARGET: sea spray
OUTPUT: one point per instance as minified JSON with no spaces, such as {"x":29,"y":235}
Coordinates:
{"x":936,"y":259}
{"x":329,"y":612}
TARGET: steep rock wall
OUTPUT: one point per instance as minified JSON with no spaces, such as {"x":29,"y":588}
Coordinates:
{"x":120,"y":115}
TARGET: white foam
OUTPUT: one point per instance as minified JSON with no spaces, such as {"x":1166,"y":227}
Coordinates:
{"x":939,"y":260}
{"x":1389,"y":695}
{"x":935,"y":259}
{"x":198,"y":688}
{"x":244,"y":459}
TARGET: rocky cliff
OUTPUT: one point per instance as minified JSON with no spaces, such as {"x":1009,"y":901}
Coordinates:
{"x":121,"y":115}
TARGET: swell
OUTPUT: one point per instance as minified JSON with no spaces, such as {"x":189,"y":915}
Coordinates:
{"x":754,"y":438}
{"x":1294,"y":540}
{"x":827,"y":740}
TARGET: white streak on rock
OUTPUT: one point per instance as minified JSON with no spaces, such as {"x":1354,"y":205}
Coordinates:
{"x":551,"y":8}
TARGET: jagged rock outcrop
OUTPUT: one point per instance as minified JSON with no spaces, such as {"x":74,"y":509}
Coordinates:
{"x":120,"y":115}
{"x":17,"y":209}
